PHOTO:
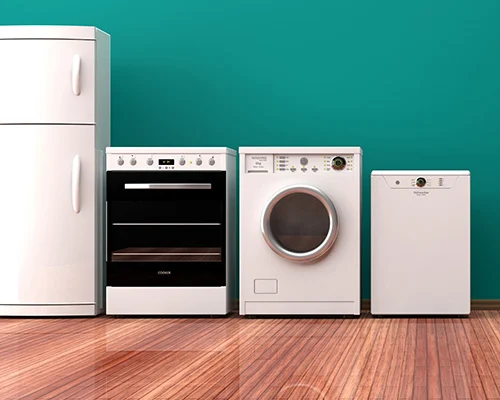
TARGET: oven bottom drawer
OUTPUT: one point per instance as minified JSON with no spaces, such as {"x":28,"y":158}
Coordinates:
{"x":165,"y":274}
{"x":167,"y":301}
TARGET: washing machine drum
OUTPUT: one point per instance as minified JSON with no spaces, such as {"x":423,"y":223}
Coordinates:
{"x":300,"y":223}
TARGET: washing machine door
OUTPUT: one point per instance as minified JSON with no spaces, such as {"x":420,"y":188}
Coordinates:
{"x":300,"y":223}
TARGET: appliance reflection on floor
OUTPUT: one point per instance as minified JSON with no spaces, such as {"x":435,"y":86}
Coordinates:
{"x":238,"y":358}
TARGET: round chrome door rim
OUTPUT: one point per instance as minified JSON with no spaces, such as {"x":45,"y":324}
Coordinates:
{"x":311,"y":255}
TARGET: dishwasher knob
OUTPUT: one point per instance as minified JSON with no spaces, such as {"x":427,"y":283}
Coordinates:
{"x":182,"y":161}
{"x":211,"y":161}
{"x":150,"y":161}
{"x":133,"y":161}
{"x":199,"y":161}
{"x":120,"y":161}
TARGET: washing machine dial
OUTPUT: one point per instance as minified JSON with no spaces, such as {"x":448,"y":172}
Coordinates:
{"x":304,"y":161}
{"x":133,"y":161}
{"x":199,"y":161}
{"x":339,"y":163}
{"x":149,"y":161}
{"x":120,"y":161}
{"x":182,"y":161}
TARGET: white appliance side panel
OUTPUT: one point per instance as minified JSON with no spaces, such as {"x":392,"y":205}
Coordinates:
{"x":103,"y":90}
{"x":42,"y":81}
{"x":420,"y":243}
{"x":166,"y":300}
{"x":48,"y":249}
{"x":100,"y":227}
{"x":231,"y":230}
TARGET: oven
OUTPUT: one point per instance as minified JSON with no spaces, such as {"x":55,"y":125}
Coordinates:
{"x":166,"y":228}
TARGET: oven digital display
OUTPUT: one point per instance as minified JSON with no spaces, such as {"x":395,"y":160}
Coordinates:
{"x":166,"y":161}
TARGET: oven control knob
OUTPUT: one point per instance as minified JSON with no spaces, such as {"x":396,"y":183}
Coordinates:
{"x":182,"y":161}
{"x":211,"y":161}
{"x":133,"y":161}
{"x":120,"y":161}
{"x":150,"y":161}
{"x":199,"y":161}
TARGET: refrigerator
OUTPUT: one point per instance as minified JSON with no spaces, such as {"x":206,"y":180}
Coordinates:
{"x":54,"y":128}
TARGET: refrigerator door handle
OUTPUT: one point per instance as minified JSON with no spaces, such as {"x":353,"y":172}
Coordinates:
{"x":75,"y":184}
{"x":75,"y":75}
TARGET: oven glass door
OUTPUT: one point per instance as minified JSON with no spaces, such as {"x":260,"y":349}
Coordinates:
{"x":166,"y":228}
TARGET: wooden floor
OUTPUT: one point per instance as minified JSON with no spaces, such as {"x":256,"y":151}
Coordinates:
{"x":237,"y":358}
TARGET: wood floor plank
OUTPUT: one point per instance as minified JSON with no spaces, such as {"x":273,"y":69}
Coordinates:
{"x":444,"y":357}
{"x":382,"y":373}
{"x":394,"y":378}
{"x":252,"y":382}
{"x":408,"y":366}
{"x":231,"y":365}
{"x":137,"y":368}
{"x":433,"y":373}
{"x":483,"y":356}
{"x":467,"y":353}
{"x":325,"y":365}
{"x":370,"y":369}
{"x":336,"y":382}
{"x":180,"y":380}
{"x":239,"y":358}
{"x":491,"y":325}
{"x":81,"y":376}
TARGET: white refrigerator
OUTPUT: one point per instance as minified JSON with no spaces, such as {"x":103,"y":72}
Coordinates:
{"x":54,"y":128}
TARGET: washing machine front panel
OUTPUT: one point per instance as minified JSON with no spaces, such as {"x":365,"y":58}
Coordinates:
{"x":300,"y":223}
{"x":274,"y":224}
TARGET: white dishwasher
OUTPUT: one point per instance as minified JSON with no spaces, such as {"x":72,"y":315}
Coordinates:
{"x":420,"y":242}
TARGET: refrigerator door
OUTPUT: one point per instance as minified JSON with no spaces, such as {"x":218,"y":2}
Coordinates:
{"x":47,"y":209}
{"x":47,"y":81}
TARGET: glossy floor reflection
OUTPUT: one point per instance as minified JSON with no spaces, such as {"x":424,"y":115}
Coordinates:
{"x":237,"y":358}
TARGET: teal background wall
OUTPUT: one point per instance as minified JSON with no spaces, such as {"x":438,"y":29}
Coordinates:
{"x":415,"y":83}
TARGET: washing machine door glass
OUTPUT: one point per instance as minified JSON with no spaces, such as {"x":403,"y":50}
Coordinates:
{"x":300,"y":223}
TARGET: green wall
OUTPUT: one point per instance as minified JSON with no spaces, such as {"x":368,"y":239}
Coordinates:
{"x":415,"y":83}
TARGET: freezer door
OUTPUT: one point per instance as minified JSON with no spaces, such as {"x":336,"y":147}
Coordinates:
{"x":47,"y":209}
{"x":47,"y":81}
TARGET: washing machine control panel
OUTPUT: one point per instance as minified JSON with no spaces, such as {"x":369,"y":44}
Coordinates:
{"x":299,"y":163}
{"x":312,"y":163}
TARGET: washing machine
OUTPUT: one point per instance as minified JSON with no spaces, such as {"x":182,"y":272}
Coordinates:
{"x":420,"y":242}
{"x":300,"y":225}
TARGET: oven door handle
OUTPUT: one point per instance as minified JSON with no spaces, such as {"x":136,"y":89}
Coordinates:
{"x":169,"y":186}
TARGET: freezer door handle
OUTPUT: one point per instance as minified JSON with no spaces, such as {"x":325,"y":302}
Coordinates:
{"x":75,"y":75}
{"x":171,"y":186}
{"x":75,"y":184}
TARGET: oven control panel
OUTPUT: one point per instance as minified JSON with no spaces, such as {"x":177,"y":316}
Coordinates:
{"x":165,"y":162}
{"x":299,"y":164}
